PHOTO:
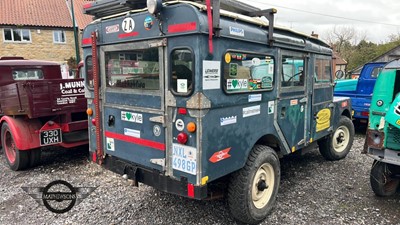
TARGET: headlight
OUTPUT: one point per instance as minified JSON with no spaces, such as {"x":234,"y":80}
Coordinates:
{"x":154,"y":6}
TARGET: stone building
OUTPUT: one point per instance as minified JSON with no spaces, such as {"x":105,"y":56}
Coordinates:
{"x":40,"y":29}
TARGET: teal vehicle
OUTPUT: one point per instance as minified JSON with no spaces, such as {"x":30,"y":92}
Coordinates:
{"x":383,"y":134}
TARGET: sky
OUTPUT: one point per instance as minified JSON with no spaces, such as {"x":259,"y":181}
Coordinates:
{"x":373,"y":19}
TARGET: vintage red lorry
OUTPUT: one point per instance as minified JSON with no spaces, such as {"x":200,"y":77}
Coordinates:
{"x":38,"y":108}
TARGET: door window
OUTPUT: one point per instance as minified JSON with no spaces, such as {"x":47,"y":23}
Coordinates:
{"x":292,"y":71}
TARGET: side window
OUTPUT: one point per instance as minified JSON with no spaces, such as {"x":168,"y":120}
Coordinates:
{"x":125,"y":69}
{"x":181,"y":80}
{"x":292,"y":71}
{"x":323,"y":70}
{"x":27,"y":74}
{"x":375,"y":72}
{"x":89,"y":71}
{"x":246,"y":72}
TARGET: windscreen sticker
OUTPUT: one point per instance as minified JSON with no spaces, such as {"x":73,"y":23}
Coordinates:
{"x":131,"y":117}
{"x":132,"y":133}
{"x":237,"y":84}
{"x":112,"y":29}
{"x":255,"y":98}
{"x":128,"y":25}
{"x":323,"y":119}
{"x":251,"y":111}
{"x":228,"y":58}
{"x":182,"y":85}
{"x":256,"y":61}
{"x":233,"y":67}
{"x":211,"y":75}
{"x":110,"y":144}
{"x":148,"y":23}
{"x":184,"y":158}
{"x":228,"y":120}
{"x":271,"y":107}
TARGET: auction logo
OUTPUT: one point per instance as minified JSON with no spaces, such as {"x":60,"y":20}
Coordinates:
{"x":59,"y":196}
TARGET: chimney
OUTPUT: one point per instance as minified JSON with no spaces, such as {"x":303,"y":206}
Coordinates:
{"x":314,"y":34}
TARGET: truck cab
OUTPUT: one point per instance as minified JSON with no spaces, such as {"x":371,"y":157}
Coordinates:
{"x":184,"y":103}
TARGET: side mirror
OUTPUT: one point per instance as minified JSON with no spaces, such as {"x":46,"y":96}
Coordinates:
{"x":339,"y":74}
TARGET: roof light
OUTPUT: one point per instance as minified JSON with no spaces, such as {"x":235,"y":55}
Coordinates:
{"x":154,"y":6}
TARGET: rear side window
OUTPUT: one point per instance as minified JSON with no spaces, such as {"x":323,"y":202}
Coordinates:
{"x":247,"y":72}
{"x":89,"y":71}
{"x":28,"y":74}
{"x":181,"y":80}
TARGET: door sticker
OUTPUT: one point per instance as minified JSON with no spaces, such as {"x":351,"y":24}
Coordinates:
{"x":251,"y":111}
{"x":323,"y":119}
{"x":131,"y":117}
{"x":157,"y":130}
{"x":182,"y":85}
{"x":228,"y":120}
{"x":132,"y":132}
{"x":184,"y":158}
{"x":271,"y":107}
{"x":294,"y":102}
{"x":110,"y":144}
{"x":255,"y":98}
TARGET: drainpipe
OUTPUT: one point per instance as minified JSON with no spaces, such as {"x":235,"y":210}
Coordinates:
{"x":75,"y":34}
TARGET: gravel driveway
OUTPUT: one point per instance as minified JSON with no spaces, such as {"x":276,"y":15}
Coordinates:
{"x":312,"y":191}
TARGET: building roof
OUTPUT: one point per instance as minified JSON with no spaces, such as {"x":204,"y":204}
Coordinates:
{"x":81,"y":19}
{"x":42,"y":13}
{"x":338,"y":59}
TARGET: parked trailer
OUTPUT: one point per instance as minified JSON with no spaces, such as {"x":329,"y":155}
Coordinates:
{"x":186,"y":99}
{"x":383,"y":134}
{"x":38,"y":108}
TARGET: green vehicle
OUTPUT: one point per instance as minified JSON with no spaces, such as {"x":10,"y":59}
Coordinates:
{"x":383,"y":134}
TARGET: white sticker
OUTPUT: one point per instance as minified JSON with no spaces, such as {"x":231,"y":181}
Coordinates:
{"x":157,"y":130}
{"x":128,"y":24}
{"x":131,"y":117}
{"x":302,"y":108}
{"x":236,"y":31}
{"x":179,"y":124}
{"x":110,"y":144}
{"x":255,"y":98}
{"x":237,"y":84}
{"x":271,"y":107}
{"x":251,"y":111}
{"x":132,"y":133}
{"x":112,"y":29}
{"x":182,"y":85}
{"x":211,"y":75}
{"x":228,"y":120}
{"x":184,"y":158}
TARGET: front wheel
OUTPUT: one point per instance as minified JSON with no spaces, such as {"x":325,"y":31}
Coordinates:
{"x":16,"y":159}
{"x":382,"y":182}
{"x":337,"y":145}
{"x":253,"y":189}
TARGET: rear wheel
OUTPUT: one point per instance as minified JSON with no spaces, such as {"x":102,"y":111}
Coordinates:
{"x":253,"y":189}
{"x":34,"y":157}
{"x":337,"y":145}
{"x":16,"y":159}
{"x":382,"y":182}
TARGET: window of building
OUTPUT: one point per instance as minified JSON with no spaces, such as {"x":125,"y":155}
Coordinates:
{"x":59,"y":36}
{"x":17,"y":35}
{"x":246,"y":72}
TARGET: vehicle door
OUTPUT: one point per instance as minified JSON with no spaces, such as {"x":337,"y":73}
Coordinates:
{"x":322,"y":97}
{"x":292,"y":102}
{"x":133,"y":109}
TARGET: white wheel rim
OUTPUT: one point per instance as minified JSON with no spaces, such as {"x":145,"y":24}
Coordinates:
{"x":341,"y":138}
{"x":265,"y":173}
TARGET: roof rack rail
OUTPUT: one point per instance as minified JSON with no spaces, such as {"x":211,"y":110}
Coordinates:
{"x":109,"y":7}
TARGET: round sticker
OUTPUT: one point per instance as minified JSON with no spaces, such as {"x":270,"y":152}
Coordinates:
{"x":179,"y":124}
{"x":157,"y":130}
{"x":256,"y":61}
{"x":128,"y":24}
{"x":228,"y":58}
{"x":148,"y":23}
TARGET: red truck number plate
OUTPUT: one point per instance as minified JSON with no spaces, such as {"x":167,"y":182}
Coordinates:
{"x":50,"y":137}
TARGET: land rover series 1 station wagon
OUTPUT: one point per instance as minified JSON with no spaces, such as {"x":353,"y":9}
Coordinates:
{"x":185,"y":98}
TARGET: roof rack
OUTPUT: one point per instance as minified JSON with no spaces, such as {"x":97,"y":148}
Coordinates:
{"x":103,"y":8}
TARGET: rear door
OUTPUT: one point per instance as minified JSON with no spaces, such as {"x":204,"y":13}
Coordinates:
{"x":133,"y":109}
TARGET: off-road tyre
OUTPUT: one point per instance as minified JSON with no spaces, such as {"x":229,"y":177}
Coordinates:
{"x":246,"y":201}
{"x":338,"y":144}
{"x":380,"y":178}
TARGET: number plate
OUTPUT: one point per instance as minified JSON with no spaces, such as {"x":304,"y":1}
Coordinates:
{"x":184,"y":158}
{"x":50,"y":137}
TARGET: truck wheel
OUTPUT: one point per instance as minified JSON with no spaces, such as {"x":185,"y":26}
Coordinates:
{"x":381,"y":181}
{"x":337,"y":145}
{"x":253,"y":189}
{"x":35,"y":155}
{"x":16,"y":159}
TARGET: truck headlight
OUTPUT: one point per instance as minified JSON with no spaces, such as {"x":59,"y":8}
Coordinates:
{"x":154,"y":6}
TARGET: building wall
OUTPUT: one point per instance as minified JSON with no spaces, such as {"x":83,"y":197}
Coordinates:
{"x":41,"y":46}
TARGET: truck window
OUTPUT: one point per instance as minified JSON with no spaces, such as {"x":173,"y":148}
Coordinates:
{"x":89,"y":71}
{"x":182,"y":71}
{"x":246,"y":72}
{"x":292,"y":71}
{"x":375,"y":72}
{"x":133,"y":69}
{"x":323,"y":68}
{"x":28,"y":74}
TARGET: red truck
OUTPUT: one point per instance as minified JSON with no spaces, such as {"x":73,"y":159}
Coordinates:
{"x":38,"y":108}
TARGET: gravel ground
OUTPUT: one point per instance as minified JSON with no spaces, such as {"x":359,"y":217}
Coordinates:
{"x":312,"y":191}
